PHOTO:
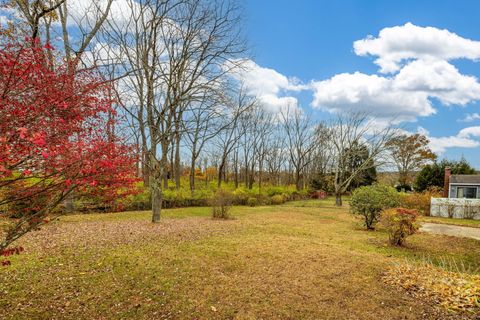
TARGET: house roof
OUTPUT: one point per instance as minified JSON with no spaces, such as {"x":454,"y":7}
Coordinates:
{"x":465,"y":178}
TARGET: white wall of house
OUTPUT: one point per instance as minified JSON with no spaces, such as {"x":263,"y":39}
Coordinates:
{"x":455,"y":208}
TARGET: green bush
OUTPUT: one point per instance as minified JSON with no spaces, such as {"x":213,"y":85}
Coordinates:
{"x":252,"y":202}
{"x":274,"y":190}
{"x":369,"y":201}
{"x":139,"y":201}
{"x":240,"y":197}
{"x":183,"y":197}
{"x":221,"y":203}
{"x":277,"y":199}
{"x":399,"y":224}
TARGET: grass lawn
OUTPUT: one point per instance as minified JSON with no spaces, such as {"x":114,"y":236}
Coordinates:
{"x":302,"y":260}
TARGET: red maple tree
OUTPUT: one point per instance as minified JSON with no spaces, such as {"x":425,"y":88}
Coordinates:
{"x":56,"y":137}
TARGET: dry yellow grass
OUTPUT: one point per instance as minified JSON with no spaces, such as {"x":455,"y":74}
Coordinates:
{"x":282,"y":262}
{"x":455,"y":291}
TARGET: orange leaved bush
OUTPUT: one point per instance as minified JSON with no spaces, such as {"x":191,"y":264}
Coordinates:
{"x":399,"y":223}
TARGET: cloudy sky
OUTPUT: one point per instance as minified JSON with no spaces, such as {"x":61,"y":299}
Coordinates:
{"x":414,"y":61}
{"x":417,"y":62}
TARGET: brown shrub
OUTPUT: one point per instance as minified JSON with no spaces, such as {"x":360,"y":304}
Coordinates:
{"x":421,"y":200}
{"x":277,"y":199}
{"x":399,"y":223}
{"x":221,"y":203}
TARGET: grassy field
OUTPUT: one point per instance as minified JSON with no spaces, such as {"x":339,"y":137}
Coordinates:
{"x":302,"y":260}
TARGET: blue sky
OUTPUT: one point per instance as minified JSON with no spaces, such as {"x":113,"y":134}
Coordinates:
{"x":312,"y":40}
{"x":417,"y":62}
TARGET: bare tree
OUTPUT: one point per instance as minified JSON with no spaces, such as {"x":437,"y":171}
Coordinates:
{"x":228,"y":138}
{"x":202,"y":124}
{"x":276,"y":155}
{"x":300,"y":141}
{"x":87,"y":28}
{"x":176,"y":53}
{"x":321,"y":165}
{"x":352,"y":133}
{"x":256,"y":126}
{"x":34,"y":11}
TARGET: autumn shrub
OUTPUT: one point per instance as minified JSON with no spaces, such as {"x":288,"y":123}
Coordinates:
{"x":399,"y":223}
{"x":252,"y":202}
{"x":55,"y":129}
{"x":277,"y":199}
{"x":19,"y":200}
{"x":369,"y":201}
{"x":421,"y":200}
{"x":221,"y":204}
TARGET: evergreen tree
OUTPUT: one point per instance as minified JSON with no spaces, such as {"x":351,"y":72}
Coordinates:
{"x":433,"y":175}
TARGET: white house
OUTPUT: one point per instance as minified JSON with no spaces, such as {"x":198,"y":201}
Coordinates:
{"x":464,"y":186}
{"x":461,"y":197}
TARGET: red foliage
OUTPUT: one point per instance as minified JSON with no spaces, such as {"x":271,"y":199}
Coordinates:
{"x":318,"y":194}
{"x":56,"y":136}
{"x":9,"y":252}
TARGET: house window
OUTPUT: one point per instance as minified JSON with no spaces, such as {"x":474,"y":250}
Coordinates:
{"x":467,"y":192}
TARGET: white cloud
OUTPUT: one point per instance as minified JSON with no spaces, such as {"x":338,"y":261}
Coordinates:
{"x":397,"y":44}
{"x":441,"y":144}
{"x":417,"y":57}
{"x":4,"y":20}
{"x":86,"y":11}
{"x":469,"y":117}
{"x":464,"y":139}
{"x":470,"y":132}
{"x":439,"y":79}
{"x":370,"y":93}
{"x":271,"y":88}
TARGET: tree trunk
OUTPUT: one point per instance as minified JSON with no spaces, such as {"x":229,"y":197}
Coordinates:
{"x":298,"y":184}
{"x":177,"y":162}
{"x":156,"y":191}
{"x":171,"y":165}
{"x":220,"y":172}
{"x":338,"y":199}
{"x":166,"y":168}
{"x":192,"y":175}
{"x":403,"y":178}
{"x":235,"y":176}
{"x":235,"y":168}
{"x":145,"y":170}
{"x":157,"y":173}
{"x":69,"y":203}
{"x":225,"y":173}
{"x":246,"y":175}
{"x":260,"y":167}
{"x":165,"y":180}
